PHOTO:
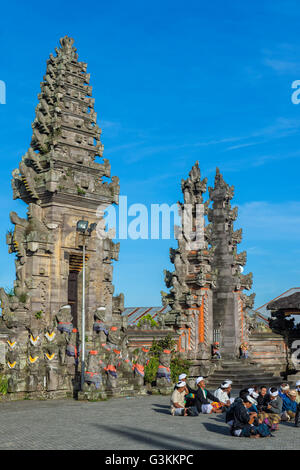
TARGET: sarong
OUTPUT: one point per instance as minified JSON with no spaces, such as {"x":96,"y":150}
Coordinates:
{"x":129,"y":363}
{"x":72,"y":351}
{"x":139,"y":369}
{"x":93,"y":378}
{"x":98,"y":326}
{"x":65,"y":327}
{"x":111,"y":370}
{"x":164,"y":373}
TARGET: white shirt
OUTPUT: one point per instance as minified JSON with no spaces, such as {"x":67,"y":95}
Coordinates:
{"x":221,"y":395}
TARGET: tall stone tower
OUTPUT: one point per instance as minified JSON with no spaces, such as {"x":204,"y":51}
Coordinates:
{"x":191,"y":283}
{"x":206,"y":288}
{"x":61,"y":179}
{"x":229,"y":302}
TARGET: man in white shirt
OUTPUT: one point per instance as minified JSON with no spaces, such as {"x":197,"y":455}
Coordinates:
{"x":177,"y":400}
{"x":222,"y":393}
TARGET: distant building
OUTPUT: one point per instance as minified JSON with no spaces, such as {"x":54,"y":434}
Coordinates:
{"x":135,"y":314}
{"x":265,"y":314}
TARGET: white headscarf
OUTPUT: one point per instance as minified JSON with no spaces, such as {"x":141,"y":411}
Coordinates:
{"x":287,"y":387}
{"x":181,"y":377}
{"x":181,"y":384}
{"x":225,"y":384}
{"x":199,"y":379}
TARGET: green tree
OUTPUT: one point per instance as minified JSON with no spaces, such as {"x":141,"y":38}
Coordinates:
{"x":178,"y":364}
{"x":147,"y":319}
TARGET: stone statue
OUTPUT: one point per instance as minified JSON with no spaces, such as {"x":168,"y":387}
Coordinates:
{"x":72,"y":351}
{"x":64,"y":319}
{"x":111,"y":371}
{"x":19,"y":236}
{"x":139,"y":366}
{"x":163,"y":377}
{"x":64,"y":326}
{"x":116,"y":338}
{"x":100,"y":330}
{"x":93,"y":377}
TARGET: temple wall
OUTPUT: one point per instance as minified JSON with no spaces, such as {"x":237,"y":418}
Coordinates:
{"x":269,"y":350}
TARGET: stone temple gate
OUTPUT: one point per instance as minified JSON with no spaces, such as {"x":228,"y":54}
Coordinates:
{"x":63,"y":179}
{"x":206,"y":288}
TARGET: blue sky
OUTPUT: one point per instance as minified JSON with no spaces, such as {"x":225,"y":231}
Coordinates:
{"x":174,"y":82}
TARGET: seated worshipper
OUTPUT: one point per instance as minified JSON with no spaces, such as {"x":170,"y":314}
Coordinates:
{"x":298,"y":391}
{"x":297,"y":417}
{"x":177,"y":400}
{"x":253,"y":395}
{"x":243,"y":421}
{"x":289,"y":406}
{"x":263,"y":398}
{"x":284,"y":388}
{"x":244,"y":354}
{"x":190,"y":393}
{"x":204,"y":397}
{"x":271,"y":411}
{"x":244,"y":392}
{"x":222,"y":393}
{"x":237,"y":401}
{"x":230,"y":385}
{"x":215,"y":351}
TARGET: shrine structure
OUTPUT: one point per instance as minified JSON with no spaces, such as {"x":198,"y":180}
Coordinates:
{"x":63,"y":180}
{"x":64,"y":272}
{"x":208,"y":307}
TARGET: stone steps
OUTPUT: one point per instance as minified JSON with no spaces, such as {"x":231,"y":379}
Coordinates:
{"x":243,"y":374}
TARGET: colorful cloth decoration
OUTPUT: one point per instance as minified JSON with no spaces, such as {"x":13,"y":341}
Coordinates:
{"x":93,"y":378}
{"x":164,"y":373}
{"x":32,"y":360}
{"x":110,"y":369}
{"x":72,"y":351}
{"x":33,"y":340}
{"x":50,"y":357}
{"x":139,"y":368}
{"x":65,"y":327}
{"x":99,"y":326}
{"x":12,"y":344}
{"x":12,"y":365}
{"x":50,"y":336}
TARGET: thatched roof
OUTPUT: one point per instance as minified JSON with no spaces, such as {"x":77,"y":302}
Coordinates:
{"x":290,"y":302}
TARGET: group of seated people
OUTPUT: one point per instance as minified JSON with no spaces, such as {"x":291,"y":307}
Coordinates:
{"x":256,"y":412}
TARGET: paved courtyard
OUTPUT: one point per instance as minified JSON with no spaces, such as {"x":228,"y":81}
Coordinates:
{"x":123,"y":424}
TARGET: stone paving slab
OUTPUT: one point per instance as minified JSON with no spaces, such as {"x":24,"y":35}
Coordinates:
{"x":140,"y":423}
